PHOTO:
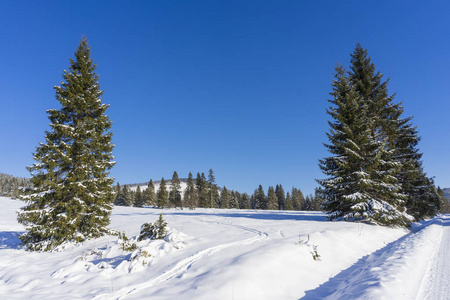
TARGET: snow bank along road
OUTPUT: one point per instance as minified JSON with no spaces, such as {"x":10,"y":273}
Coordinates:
{"x":416,"y":266}
{"x":236,"y":254}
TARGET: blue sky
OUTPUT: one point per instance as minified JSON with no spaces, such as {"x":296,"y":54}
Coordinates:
{"x":237,"y":86}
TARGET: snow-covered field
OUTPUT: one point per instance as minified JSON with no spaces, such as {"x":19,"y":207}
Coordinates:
{"x":233,"y":254}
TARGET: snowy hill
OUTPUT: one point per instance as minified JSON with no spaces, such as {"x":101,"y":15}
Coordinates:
{"x":233,"y":254}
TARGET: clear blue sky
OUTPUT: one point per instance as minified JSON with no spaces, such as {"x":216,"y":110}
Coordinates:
{"x":237,"y":86}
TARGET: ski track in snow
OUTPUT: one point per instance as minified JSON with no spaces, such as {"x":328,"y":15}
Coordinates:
{"x":437,"y":279}
{"x":185,"y":264}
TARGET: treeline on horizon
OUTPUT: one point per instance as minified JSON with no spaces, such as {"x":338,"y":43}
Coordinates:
{"x":204,"y":192}
{"x":11,"y":185}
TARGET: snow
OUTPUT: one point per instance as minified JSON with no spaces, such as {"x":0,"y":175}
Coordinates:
{"x":232,"y":254}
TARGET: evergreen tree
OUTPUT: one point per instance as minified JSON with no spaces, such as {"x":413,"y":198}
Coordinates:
{"x":120,"y":200}
{"x":138,"y":198}
{"x":202,"y":190}
{"x":422,"y":199}
{"x":244,"y":202}
{"x":362,"y":181}
{"x":260,"y":198}
{"x":175,"y":191}
{"x":225,"y":198}
{"x":298,"y":200}
{"x":163,"y":195}
{"x":308,"y":202}
{"x":289,"y":204}
{"x":118,"y":191}
{"x":132,"y":197}
{"x":74,"y":194}
{"x":445,"y":203}
{"x":272,"y":199}
{"x":213,"y":190}
{"x":149,"y":194}
{"x":281,"y":197}
{"x":234,"y":200}
{"x":190,"y":194}
{"x":253,"y":200}
{"x":125,"y":198}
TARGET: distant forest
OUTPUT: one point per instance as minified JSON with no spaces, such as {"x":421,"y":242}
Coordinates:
{"x":204,"y":192}
{"x":10,"y":185}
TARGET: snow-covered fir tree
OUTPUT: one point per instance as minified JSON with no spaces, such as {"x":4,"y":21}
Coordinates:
{"x":361,"y":183}
{"x":73,"y":194}
{"x":234,"y":202}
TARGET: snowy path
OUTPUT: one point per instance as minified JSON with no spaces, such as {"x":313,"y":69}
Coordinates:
{"x":437,"y":280}
{"x":416,"y":266}
{"x":185,"y":264}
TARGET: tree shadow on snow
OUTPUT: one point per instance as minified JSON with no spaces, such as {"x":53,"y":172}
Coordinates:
{"x":261,"y":215}
{"x":10,"y":239}
{"x":235,"y":213}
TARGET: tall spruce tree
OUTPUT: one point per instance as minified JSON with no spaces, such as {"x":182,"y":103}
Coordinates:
{"x":202,"y":190}
{"x":128,"y":195}
{"x":279,"y":191}
{"x":289,"y":204}
{"x":162,"y":195}
{"x":298,"y":200}
{"x":362,"y":181}
{"x":260,"y":200}
{"x":244,"y":201}
{"x":175,"y":190}
{"x":213,"y":190}
{"x":190,"y":194}
{"x":119,"y":197}
{"x":74,"y":194}
{"x":272,"y":199}
{"x":138,"y":198}
{"x":234,"y":200}
{"x":225,"y":198}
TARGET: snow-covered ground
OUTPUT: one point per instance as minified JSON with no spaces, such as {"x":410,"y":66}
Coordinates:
{"x":233,"y":254}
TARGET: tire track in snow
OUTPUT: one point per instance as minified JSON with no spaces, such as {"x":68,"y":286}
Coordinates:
{"x":183,"y":265}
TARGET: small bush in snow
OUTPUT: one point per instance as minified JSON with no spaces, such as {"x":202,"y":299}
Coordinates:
{"x":153,"y":231}
{"x":126,"y":244}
